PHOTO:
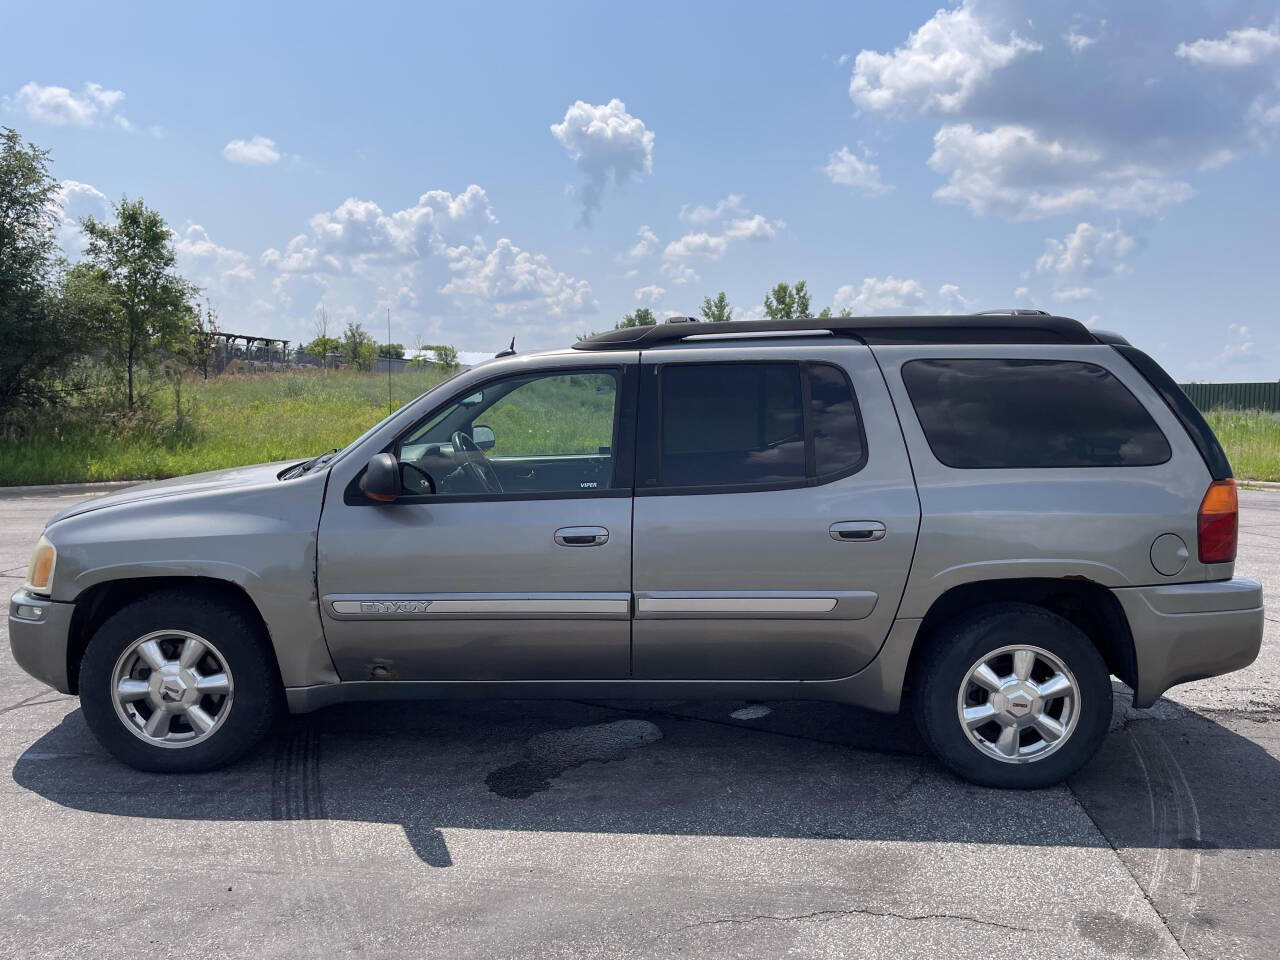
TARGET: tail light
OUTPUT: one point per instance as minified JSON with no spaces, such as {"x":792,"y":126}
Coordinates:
{"x":1216,"y":523}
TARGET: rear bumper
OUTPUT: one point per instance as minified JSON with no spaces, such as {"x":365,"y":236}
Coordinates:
{"x":38,"y":632}
{"x":1189,"y":631}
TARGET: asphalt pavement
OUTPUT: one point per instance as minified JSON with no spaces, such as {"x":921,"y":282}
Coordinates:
{"x":628,"y":830}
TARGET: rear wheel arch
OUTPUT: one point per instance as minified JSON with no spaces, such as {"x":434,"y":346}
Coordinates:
{"x":98,"y":603}
{"x":1085,"y":603}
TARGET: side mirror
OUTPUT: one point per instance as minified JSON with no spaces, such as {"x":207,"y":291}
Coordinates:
{"x":381,"y":480}
{"x":483,"y":436}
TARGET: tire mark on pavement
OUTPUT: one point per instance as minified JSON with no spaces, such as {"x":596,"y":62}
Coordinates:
{"x":304,"y":845}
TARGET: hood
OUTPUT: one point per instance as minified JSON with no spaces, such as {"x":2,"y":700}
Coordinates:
{"x":195,"y":483}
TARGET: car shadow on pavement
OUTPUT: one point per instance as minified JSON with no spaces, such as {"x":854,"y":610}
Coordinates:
{"x":1166,"y":778}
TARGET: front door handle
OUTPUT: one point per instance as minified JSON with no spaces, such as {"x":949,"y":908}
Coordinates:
{"x":857,"y":531}
{"x":582,"y":536}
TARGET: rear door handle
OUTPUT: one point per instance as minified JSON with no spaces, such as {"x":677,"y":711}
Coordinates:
{"x":857,"y":531}
{"x":582,"y":536}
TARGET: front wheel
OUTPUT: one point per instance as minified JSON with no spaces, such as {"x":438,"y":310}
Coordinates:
{"x":1013,"y":696}
{"x":175,"y":683}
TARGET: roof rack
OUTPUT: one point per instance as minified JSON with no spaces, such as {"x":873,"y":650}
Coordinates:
{"x":1011,"y":312}
{"x":998,"y":327}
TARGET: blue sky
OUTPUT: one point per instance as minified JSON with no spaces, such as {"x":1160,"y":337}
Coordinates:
{"x":540,"y":170}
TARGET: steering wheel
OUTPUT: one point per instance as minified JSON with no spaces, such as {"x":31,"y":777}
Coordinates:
{"x":474,"y":463}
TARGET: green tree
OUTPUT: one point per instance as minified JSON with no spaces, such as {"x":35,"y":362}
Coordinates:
{"x":200,"y":344}
{"x":322,"y":346}
{"x":717,"y":310}
{"x":785,"y":302}
{"x":358,"y":347}
{"x":152,"y":305}
{"x":40,"y":339}
{"x":642,"y":317}
{"x":394,"y":350}
{"x":446,"y":356}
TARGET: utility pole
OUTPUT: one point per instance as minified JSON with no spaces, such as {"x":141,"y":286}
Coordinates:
{"x":390,"y":406}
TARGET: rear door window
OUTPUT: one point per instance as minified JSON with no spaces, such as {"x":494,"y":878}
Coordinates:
{"x":731,"y":423}
{"x":992,"y":413}
{"x":735,"y":425}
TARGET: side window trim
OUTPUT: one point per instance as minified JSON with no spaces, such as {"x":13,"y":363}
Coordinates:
{"x":648,"y":434}
{"x":623,"y":449}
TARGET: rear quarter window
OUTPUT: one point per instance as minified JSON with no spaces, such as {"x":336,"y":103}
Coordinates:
{"x":993,"y":413}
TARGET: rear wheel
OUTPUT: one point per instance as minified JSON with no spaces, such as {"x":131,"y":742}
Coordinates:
{"x":1013,"y":696}
{"x":177,"y":683}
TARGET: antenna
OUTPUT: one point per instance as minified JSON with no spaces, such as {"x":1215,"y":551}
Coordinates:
{"x":390,"y":406}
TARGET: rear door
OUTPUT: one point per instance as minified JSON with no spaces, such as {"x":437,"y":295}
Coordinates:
{"x":775,"y":514}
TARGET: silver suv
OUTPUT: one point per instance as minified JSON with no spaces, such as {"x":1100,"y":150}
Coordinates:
{"x":991,"y":515}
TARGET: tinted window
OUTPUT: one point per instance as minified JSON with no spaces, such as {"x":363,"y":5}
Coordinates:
{"x":837,"y":432}
{"x":1030,"y":413}
{"x":730,"y":424}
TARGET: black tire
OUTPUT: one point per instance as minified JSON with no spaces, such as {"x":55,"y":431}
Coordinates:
{"x":953,"y":651}
{"x":240,"y":641}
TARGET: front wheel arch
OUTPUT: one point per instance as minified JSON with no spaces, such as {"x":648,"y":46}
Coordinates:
{"x":102,"y":600}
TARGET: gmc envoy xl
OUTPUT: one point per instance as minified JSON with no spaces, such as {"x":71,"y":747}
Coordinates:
{"x":986,"y":517}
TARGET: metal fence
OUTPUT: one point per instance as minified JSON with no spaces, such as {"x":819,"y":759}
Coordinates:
{"x":1235,"y":396}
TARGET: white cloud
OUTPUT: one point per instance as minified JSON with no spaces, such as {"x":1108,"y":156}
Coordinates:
{"x":1239,"y":347}
{"x":1075,"y":294}
{"x":681,"y":274}
{"x":1240,"y":48}
{"x":952,"y":301}
{"x":1087,"y":251}
{"x":651,"y":293}
{"x":847,"y":169}
{"x":74,"y":201}
{"x":257,"y":152}
{"x":510,"y":280}
{"x":1078,"y":42}
{"x":606,"y":143}
{"x":754,"y":227}
{"x":1014,"y":172}
{"x":938,"y":68}
{"x":209,"y":261}
{"x":431,"y":263}
{"x":1053,"y":115}
{"x":703,"y":214}
{"x":699,"y":246}
{"x":358,"y":233}
{"x":877,"y":296}
{"x":60,"y":106}
{"x":645,"y":247}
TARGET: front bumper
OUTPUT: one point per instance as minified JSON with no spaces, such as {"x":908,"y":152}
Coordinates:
{"x":38,"y":633}
{"x":1189,"y":631}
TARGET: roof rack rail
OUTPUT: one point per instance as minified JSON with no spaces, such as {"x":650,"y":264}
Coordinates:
{"x":1000,"y":327}
{"x":1011,"y":312}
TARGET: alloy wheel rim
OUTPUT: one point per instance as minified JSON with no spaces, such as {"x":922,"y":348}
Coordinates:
{"x":1018,"y":704}
{"x":172,"y":688}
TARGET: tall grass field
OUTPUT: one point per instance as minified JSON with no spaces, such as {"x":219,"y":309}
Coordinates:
{"x":262,"y":417}
{"x":227,"y":422}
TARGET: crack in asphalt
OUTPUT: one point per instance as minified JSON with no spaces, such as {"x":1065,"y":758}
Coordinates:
{"x":825,"y":916}
{"x":31,"y":701}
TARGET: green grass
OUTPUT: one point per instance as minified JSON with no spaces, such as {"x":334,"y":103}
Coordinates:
{"x":235,"y":420}
{"x":1251,"y":439}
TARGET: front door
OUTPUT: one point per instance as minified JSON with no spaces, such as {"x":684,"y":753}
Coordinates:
{"x":775,"y":513}
{"x":518,"y":567}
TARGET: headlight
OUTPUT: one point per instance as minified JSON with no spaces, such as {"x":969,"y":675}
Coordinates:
{"x":40,"y":572}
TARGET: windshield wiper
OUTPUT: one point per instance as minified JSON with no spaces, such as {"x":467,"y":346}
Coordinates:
{"x":308,"y":465}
